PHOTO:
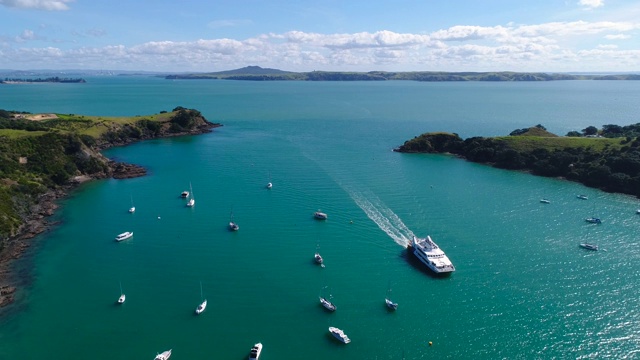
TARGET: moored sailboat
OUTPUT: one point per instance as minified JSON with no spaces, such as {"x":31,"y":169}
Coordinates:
{"x":165,"y":355}
{"x":203,"y":304}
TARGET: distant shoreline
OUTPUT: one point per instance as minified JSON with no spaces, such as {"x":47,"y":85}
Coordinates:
{"x":54,"y":79}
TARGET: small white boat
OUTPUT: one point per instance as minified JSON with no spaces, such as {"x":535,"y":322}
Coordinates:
{"x":184,"y":194}
{"x":124,"y":236}
{"x":255,"y":352}
{"x":545,"y":201}
{"x":589,"y":246}
{"x":593,"y":220}
{"x":122,"y":297}
{"x":318,"y":258}
{"x":201,"y":307}
{"x":192,"y":200}
{"x":638,"y":211}
{"x":320,"y":215}
{"x":132,"y":209}
{"x":339,"y":334}
{"x":269,"y":185}
{"x":328,"y":304}
{"x":164,"y":356}
{"x":232,"y":225}
{"x":203,"y":304}
{"x":583,"y":197}
{"x":387,"y":300}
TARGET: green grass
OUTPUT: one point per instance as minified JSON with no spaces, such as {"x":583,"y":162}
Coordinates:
{"x":530,"y":143}
{"x":15,"y":134}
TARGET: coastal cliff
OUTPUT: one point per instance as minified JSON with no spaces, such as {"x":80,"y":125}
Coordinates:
{"x":607,"y":158}
{"x":43,"y":157}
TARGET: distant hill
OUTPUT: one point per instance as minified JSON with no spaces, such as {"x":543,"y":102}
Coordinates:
{"x":251,"y":70}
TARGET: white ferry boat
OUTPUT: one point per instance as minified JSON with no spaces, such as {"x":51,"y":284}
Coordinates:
{"x":124,"y":236}
{"x":431,"y":255}
{"x":339,"y":334}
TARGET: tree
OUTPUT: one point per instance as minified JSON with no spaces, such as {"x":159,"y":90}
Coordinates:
{"x":590,"y":130}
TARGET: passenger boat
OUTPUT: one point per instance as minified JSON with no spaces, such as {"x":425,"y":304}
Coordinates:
{"x":255,"y":352}
{"x":164,"y":356}
{"x":339,"y":334}
{"x":124,"y":236}
{"x":589,"y":246}
{"x":320,"y":215}
{"x":430,"y":254}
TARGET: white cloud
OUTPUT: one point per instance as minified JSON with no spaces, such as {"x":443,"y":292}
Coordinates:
{"x":557,"y":46}
{"x":37,"y":4}
{"x":607,"y":46}
{"x":591,"y":4}
{"x":25,"y":36}
{"x":228,"y":23}
{"x":617,"y":36}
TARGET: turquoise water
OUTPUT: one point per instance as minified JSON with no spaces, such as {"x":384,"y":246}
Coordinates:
{"x":523,"y":288}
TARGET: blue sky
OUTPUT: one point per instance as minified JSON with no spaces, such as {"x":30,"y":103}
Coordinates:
{"x":302,"y":35}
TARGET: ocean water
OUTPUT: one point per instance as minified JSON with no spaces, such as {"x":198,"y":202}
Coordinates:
{"x":523,"y":287}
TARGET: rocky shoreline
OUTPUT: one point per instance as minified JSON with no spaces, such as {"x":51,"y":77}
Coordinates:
{"x":38,"y":221}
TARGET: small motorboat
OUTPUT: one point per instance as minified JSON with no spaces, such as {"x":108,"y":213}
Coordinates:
{"x":201,"y":307}
{"x":339,"y":334}
{"x":132,"y":209}
{"x":269,"y":185}
{"x":318,"y":258}
{"x":593,"y":220}
{"x":124,"y":236}
{"x":121,"y":299}
{"x":184,"y":194}
{"x":545,"y":201}
{"x":589,"y":246}
{"x":254,"y":354}
{"x":320,"y":215}
{"x":583,"y":197}
{"x":390,"y":304}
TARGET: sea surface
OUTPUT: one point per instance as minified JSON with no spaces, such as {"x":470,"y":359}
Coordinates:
{"x":523,"y":288}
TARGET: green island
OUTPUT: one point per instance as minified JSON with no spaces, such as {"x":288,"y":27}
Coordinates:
{"x":606,"y":158}
{"x":44,"y":156}
{"x":53,"y":79}
{"x":256,"y":73}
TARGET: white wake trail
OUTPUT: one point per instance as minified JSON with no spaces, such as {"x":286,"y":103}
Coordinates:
{"x":386,"y":219}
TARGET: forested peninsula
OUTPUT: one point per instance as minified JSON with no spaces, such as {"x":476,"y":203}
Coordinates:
{"x":607,"y":158}
{"x":44,"y":156}
{"x":256,"y":73}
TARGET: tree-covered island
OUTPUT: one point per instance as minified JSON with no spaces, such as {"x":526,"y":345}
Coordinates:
{"x":606,"y":158}
{"x":256,"y":73}
{"x":43,"y":156}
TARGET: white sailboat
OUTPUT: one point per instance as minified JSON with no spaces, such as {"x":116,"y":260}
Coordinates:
{"x":387,"y":300}
{"x":132,"y":209}
{"x":122,"y":297}
{"x":165,"y":355}
{"x":203,"y":304}
{"x":192,"y":200}
{"x":232,"y":225}
{"x":269,"y":184}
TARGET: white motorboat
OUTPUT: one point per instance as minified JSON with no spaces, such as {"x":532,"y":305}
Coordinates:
{"x":124,"y":236}
{"x":431,"y":255}
{"x":269,"y":185}
{"x":255,"y":352}
{"x":589,"y":246}
{"x":582,"y":197}
{"x":339,"y":334}
{"x":328,"y":304}
{"x":184,"y":194}
{"x":593,"y":220}
{"x":638,"y":211}
{"x":318,"y":258}
{"x":320,"y":215}
{"x":164,"y":356}
{"x":132,"y":209}
{"x":545,"y":201}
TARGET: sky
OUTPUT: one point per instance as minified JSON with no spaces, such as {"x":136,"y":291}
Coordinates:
{"x":307,"y":35}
